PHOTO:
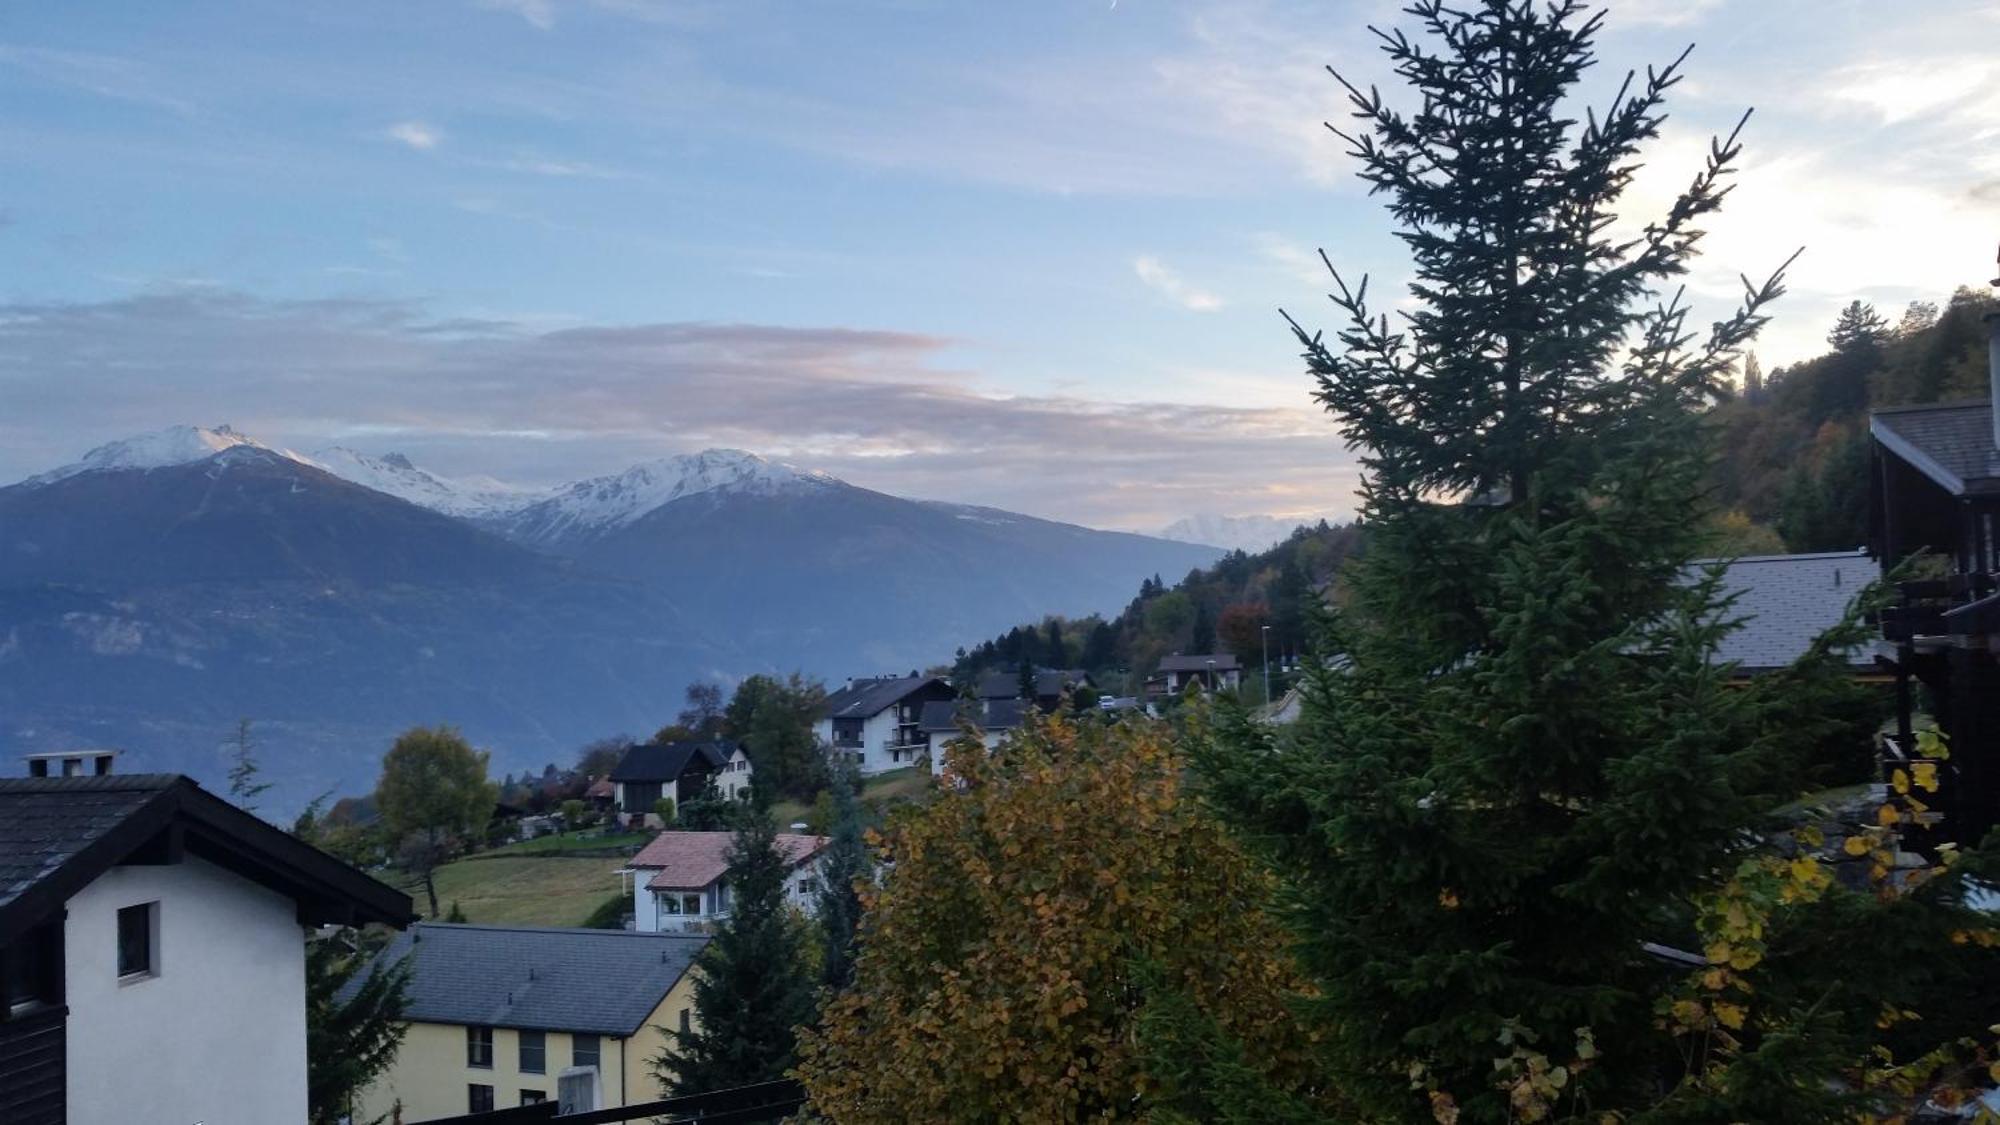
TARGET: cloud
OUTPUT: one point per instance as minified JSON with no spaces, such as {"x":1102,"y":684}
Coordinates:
{"x":540,"y":13}
{"x":415,"y":134}
{"x":107,"y":76}
{"x":876,"y":407}
{"x":1165,"y":281}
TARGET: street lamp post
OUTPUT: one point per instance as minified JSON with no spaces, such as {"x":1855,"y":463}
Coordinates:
{"x":1264,"y":635}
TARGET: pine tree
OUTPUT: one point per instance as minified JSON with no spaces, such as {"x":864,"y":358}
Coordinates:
{"x":1859,"y":327}
{"x":1527,"y":764}
{"x":1753,"y":379}
{"x":349,"y":1043}
{"x":1201,"y":635}
{"x":752,"y":988}
{"x":845,"y":863}
{"x":1024,"y":684}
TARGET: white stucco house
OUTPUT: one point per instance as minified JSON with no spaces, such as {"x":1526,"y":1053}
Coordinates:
{"x":152,"y":951}
{"x":876,"y":723}
{"x":1209,"y":671}
{"x":679,"y":883}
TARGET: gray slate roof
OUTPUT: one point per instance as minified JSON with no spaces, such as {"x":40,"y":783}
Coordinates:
{"x":941,"y":717}
{"x":603,"y":982}
{"x":652,"y":761}
{"x":1952,"y":444}
{"x":46,"y":822}
{"x":865,"y":697}
{"x":1786,"y":601}
{"x":1198,"y":662}
{"x":1048,"y":682}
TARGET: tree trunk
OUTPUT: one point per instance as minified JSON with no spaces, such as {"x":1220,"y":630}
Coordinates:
{"x":430,"y":889}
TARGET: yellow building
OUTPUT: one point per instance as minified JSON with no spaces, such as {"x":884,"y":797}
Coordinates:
{"x":502,"y":1016}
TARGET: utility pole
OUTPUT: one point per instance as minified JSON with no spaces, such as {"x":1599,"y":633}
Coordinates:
{"x":1264,"y":635}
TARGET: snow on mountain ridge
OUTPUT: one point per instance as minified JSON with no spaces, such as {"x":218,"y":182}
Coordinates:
{"x":607,"y":502}
{"x":160,"y":449}
{"x":1236,"y":533}
{"x":393,"y":473}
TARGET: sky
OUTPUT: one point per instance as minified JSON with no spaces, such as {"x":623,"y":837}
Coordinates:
{"x":1029,"y":255}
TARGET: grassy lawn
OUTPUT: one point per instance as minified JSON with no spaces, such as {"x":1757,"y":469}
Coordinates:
{"x":878,"y":792}
{"x":570,"y":841}
{"x":528,"y":890}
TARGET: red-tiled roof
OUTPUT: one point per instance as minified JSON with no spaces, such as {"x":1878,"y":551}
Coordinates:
{"x":602,"y":787}
{"x":688,"y":861}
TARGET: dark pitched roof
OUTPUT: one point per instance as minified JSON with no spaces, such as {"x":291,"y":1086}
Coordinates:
{"x":1786,"y":601}
{"x":59,"y":833}
{"x":652,"y":761}
{"x":1952,"y":444}
{"x":941,"y":716}
{"x":1048,"y":683}
{"x":1224,"y":662}
{"x":871,"y":696}
{"x":603,"y":982}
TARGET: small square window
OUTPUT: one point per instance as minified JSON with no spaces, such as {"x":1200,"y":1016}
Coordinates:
{"x":479,"y":1050}
{"x":478,"y":1098}
{"x":534,"y":1052}
{"x":585,"y":1050}
{"x":136,"y":933}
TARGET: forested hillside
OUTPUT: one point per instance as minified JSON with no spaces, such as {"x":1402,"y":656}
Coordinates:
{"x":1223,"y":608}
{"x":1795,"y":442}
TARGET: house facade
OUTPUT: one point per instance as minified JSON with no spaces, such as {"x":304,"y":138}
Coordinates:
{"x":876,"y":723}
{"x":1050,"y":684}
{"x":152,"y":949}
{"x":680,"y":884}
{"x":680,"y":770}
{"x":504,"y":1016}
{"x":1935,"y":495}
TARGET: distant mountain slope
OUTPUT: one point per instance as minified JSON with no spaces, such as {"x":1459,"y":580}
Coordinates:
{"x":165,"y":586}
{"x":150,"y":608}
{"x":1231,"y":533}
{"x":842,"y":580}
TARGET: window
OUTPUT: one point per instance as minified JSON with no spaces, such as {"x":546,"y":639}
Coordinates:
{"x":534,"y":1052}
{"x":531,"y":1097}
{"x":478,"y":1098}
{"x":808,"y":886}
{"x":585,"y":1050}
{"x":72,"y":766}
{"x":479,"y":1052}
{"x":136,"y":933}
{"x":686,"y":1025}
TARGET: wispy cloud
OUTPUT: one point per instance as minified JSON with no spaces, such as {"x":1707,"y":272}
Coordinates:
{"x":540,"y":13}
{"x":503,"y":397}
{"x":1169,"y":284}
{"x":107,"y":76}
{"x":416,"y":134}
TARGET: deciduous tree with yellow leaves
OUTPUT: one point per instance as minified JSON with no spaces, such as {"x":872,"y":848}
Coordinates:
{"x":1032,"y":912}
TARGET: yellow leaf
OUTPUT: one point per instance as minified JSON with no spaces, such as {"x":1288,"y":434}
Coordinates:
{"x":1855,"y":846}
{"x":1745,"y":959}
{"x":1899,"y":781}
{"x":1729,"y":1015}
{"x":1926,"y":776}
{"x":1886,"y":816}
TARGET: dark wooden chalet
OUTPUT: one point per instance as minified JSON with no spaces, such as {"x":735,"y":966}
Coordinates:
{"x":1936,"y":499}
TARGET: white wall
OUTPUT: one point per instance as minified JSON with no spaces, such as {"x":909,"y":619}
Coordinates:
{"x":218,"y":1034}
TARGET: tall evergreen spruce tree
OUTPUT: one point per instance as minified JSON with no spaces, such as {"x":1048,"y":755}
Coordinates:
{"x":1527,"y":766}
{"x":752,"y":985}
{"x":846,"y":861}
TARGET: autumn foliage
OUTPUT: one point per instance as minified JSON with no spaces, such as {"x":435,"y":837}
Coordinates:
{"x":1032,"y":908}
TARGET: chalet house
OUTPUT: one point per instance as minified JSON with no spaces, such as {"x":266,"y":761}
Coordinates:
{"x":1212,"y":671}
{"x":994,"y":718}
{"x":680,"y":884}
{"x":876,"y":723}
{"x":152,"y":950}
{"x":1050,"y":684}
{"x":503,"y":1016}
{"x":679,"y":770}
{"x":1935,"y":492}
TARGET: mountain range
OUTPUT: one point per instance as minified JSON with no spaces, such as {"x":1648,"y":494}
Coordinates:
{"x":165,"y":586}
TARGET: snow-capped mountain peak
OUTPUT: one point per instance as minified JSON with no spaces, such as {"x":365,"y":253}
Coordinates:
{"x":161,"y":449}
{"x":393,"y":473}
{"x":605,"y":503}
